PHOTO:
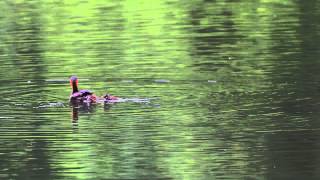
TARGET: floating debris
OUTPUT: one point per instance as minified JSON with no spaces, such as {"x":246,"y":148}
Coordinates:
{"x":56,"y":80}
{"x":62,"y":80}
{"x":50,"y":105}
{"x":16,"y":104}
{"x":134,"y":100}
{"x":127,"y":81}
{"x":3,"y":117}
{"x":162,"y":81}
{"x":212,"y":81}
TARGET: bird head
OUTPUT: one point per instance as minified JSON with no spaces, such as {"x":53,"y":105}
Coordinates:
{"x":73,"y":79}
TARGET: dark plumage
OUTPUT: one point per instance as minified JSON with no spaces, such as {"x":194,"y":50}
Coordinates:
{"x":86,"y":95}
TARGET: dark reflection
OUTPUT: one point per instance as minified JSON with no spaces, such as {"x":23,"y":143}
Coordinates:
{"x":297,"y":71}
{"x":207,"y":40}
{"x":38,"y":164}
{"x":25,"y":155}
{"x":85,"y":108}
{"x":294,"y":152}
{"x":26,"y":40}
{"x":77,"y":107}
{"x":107,"y":106}
{"x":75,"y":114}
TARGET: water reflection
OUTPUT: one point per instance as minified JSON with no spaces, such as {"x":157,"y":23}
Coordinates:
{"x":75,"y":115}
{"x":213,"y":89}
{"x":85,"y":108}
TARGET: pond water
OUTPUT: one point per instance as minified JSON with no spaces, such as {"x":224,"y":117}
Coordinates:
{"x":228,"y":89}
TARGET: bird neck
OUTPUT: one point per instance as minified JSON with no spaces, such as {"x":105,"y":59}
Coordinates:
{"x":74,"y":87}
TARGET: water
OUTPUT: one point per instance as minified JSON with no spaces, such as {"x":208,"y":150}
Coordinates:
{"x":232,"y":89}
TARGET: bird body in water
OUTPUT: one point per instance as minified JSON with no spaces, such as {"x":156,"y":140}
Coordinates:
{"x":86,"y":95}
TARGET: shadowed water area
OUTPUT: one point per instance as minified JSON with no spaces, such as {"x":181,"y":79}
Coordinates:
{"x":220,"y":89}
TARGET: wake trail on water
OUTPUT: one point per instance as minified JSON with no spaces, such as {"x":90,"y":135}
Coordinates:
{"x":119,"y":100}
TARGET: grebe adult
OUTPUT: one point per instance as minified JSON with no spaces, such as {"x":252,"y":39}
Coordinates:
{"x":86,"y":95}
